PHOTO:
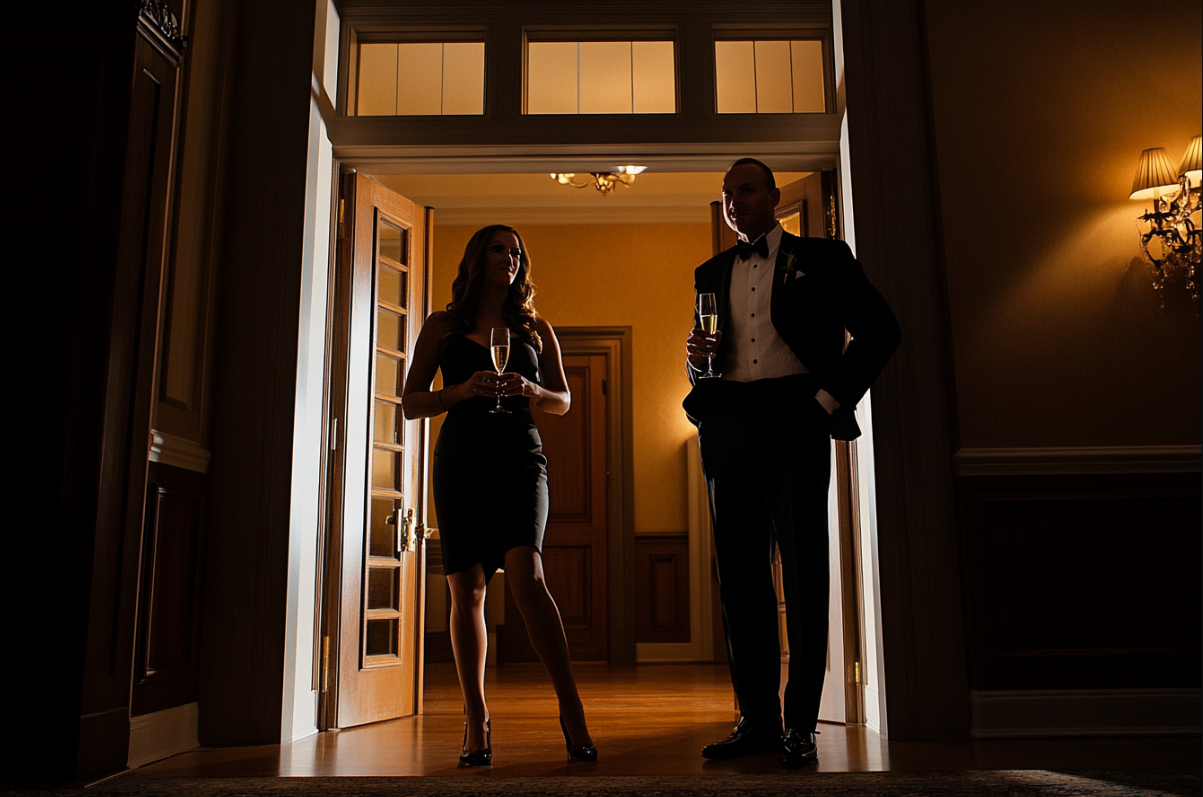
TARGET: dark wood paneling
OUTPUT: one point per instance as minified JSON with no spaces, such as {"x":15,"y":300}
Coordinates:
{"x":662,"y":563}
{"x":165,"y":653}
{"x":575,"y":543}
{"x":97,"y":214}
{"x":568,"y":569}
{"x":1083,"y":582}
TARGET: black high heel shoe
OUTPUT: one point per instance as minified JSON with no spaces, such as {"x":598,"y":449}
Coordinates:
{"x":586,"y":752}
{"x":480,"y":758}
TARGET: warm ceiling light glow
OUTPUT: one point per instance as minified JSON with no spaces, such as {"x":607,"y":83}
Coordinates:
{"x":1192,"y":162}
{"x":605,"y":182}
{"x":1154,"y":176}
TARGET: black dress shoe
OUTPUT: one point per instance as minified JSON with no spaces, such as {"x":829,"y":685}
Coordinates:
{"x":798,"y":748}
{"x":746,"y":738}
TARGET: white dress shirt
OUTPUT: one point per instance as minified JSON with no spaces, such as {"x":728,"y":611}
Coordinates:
{"x":754,"y":349}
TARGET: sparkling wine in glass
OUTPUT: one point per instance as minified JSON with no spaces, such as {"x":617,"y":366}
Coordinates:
{"x":499,"y":347}
{"x":708,"y":315}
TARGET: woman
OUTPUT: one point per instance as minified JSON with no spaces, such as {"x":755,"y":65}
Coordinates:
{"x":490,"y":476}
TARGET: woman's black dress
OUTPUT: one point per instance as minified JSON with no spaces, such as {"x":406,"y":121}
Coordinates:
{"x":490,"y":475}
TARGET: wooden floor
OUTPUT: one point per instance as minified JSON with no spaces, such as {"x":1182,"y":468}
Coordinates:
{"x":646,"y":720}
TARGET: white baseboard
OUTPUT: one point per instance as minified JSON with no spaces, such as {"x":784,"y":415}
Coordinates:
{"x":156,"y":736}
{"x":1085,"y":712}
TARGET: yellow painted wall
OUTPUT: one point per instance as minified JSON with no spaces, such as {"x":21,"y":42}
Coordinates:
{"x":637,"y":275}
{"x":1041,"y":111}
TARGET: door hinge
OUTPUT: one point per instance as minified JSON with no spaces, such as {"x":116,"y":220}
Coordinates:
{"x":325,"y":664}
{"x":856,"y":672}
{"x":334,"y":434}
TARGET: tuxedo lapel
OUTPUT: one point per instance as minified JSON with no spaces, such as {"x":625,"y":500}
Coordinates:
{"x":722,"y":291}
{"x":785,"y":269}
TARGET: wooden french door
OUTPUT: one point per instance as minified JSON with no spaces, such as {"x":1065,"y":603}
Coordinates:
{"x":574,"y":547}
{"x":373,"y":621}
{"x":807,"y":209}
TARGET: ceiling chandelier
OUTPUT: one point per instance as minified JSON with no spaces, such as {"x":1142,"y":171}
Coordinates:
{"x":605,"y":182}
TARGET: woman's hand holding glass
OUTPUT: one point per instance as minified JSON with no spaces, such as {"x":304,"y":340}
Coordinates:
{"x":482,"y":383}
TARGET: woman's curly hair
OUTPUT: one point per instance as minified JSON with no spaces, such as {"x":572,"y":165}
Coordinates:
{"x":518,"y":309}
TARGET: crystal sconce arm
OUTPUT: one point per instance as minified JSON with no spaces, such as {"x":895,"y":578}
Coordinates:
{"x":1170,"y":236}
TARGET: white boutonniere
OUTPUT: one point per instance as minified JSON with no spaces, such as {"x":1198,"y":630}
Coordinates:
{"x":788,"y":265}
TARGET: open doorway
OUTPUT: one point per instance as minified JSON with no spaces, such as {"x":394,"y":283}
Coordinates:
{"x":622,"y":263}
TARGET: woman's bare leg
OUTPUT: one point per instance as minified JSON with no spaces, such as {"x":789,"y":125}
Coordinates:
{"x":469,"y":642}
{"x":524,"y":574}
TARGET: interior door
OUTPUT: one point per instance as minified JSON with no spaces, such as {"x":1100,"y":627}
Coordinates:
{"x":807,"y":209}
{"x":377,"y":509}
{"x":574,"y":546}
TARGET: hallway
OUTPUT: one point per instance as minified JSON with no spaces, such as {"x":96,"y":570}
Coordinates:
{"x":647,"y":720}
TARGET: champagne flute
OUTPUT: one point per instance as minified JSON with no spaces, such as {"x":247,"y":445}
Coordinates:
{"x":499,"y":347}
{"x":708,"y":315}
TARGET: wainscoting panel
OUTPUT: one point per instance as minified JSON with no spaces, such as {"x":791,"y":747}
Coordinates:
{"x":165,"y":663}
{"x":662,"y":564}
{"x":1082,"y":582}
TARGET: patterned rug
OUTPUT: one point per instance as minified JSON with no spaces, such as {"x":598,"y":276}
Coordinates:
{"x":1000,"y":783}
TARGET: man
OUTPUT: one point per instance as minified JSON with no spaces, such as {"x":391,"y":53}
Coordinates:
{"x":787,"y":386}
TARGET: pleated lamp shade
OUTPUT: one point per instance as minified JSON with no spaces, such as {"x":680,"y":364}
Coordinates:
{"x":1154,"y":176}
{"x":1192,"y":162}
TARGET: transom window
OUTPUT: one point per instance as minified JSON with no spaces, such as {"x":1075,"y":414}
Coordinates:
{"x":586,"y":77}
{"x":421,"y":78}
{"x":770,"y":76}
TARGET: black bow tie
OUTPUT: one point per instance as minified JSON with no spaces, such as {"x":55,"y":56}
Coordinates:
{"x":744,"y":249}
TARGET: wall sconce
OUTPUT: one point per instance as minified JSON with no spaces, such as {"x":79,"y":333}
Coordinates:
{"x":602,"y":181}
{"x":1169,"y":239}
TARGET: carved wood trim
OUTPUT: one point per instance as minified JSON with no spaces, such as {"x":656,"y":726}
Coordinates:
{"x":159,"y":26}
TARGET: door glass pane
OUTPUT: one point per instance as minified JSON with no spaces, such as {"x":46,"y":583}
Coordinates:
{"x":735,"y":76}
{"x":421,"y":78}
{"x":654,"y":77}
{"x":382,"y":588}
{"x":392,"y":286}
{"x":382,"y":535}
{"x":770,"y":76}
{"x":384,"y":469}
{"x":385,"y":427}
{"x":601,"y":77}
{"x":392,"y":242}
{"x":387,"y":371}
{"x":377,"y":79}
{"x":390,"y":331}
{"x":605,"y":77}
{"x":774,"y":78}
{"x":807,"y":60}
{"x":382,"y":637}
{"x":792,"y":223}
{"x":464,"y":78}
{"x":420,"y":83}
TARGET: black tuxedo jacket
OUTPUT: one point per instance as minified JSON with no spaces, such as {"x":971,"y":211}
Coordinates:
{"x":819,"y":290}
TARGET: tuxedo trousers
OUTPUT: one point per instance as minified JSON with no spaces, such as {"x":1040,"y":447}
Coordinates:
{"x":766,"y":455}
